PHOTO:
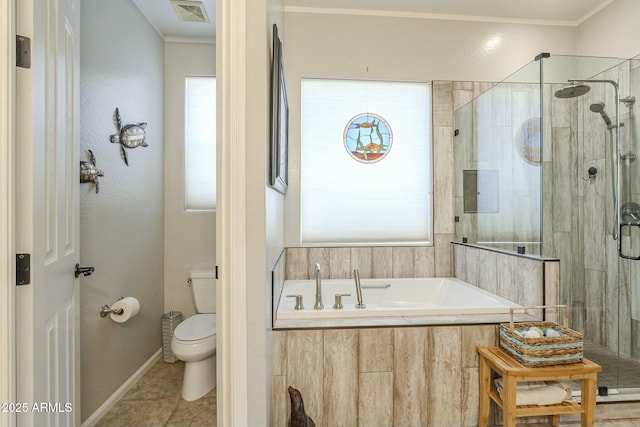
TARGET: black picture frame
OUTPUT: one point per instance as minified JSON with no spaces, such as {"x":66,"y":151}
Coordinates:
{"x":279,"y":119}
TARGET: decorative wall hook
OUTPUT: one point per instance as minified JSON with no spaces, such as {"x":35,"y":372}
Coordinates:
{"x":128,"y":136}
{"x":89,"y":172}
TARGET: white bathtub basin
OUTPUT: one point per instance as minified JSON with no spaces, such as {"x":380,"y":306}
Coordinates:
{"x":391,"y":298}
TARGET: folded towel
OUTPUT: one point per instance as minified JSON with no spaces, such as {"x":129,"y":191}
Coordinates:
{"x":538,"y":392}
{"x":524,"y":385}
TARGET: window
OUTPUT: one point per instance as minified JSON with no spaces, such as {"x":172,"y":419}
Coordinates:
{"x":200,"y":144}
{"x":365,"y":166}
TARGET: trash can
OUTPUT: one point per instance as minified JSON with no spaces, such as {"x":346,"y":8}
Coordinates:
{"x":170,"y":321}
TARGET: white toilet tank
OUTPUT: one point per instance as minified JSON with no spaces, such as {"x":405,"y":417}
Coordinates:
{"x":203,"y":287}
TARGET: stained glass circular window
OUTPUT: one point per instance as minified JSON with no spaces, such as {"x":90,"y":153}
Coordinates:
{"x":528,"y":141}
{"x":368,"y":138}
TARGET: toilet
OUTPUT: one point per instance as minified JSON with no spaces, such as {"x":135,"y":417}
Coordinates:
{"x":194,"y":339}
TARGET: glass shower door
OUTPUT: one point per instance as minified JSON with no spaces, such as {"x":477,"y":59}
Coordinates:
{"x":628,"y":367}
{"x":591,"y":201}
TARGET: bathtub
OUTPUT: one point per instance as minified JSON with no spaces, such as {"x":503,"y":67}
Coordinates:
{"x":391,"y":298}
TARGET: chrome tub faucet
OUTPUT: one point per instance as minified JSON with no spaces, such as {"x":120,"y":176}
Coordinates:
{"x":318,"y":305}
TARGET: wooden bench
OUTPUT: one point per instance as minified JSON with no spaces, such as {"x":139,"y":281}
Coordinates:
{"x":497,"y":360}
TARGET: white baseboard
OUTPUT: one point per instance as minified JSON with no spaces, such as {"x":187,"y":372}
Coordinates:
{"x":124,"y":388}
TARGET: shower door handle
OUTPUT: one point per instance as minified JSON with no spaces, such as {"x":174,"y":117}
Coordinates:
{"x":622,"y":255}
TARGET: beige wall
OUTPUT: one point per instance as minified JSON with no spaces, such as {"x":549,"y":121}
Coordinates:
{"x":121,"y":228}
{"x":264,"y":220}
{"x":612,"y":32}
{"x":189,"y":236}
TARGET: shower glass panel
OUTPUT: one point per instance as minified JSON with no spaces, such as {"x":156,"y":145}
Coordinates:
{"x":546,"y":163}
{"x":497,"y":154}
{"x":580,"y":199}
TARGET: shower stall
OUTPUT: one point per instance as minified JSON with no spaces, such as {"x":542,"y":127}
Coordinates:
{"x":546,"y":164}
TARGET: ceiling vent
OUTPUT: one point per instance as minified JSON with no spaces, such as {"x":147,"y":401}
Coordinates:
{"x":190,"y":11}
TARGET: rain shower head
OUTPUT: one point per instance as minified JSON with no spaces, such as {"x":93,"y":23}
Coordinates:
{"x":572,"y":91}
{"x":598,"y":107}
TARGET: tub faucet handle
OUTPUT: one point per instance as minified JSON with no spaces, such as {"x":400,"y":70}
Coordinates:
{"x":318,"y":305}
{"x":356,"y":276}
{"x":338,"y":304}
{"x":298,"y":298}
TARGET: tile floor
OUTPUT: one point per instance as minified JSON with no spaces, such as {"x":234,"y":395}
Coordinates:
{"x":155,"y":401}
{"x":618,"y":423}
{"x":613,"y":423}
{"x":616,"y":373}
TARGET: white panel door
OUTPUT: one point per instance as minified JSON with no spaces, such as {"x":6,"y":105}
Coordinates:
{"x":47,"y":208}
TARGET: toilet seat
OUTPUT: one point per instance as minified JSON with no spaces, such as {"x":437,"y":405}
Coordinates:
{"x":196,"y":328}
{"x":194,"y":342}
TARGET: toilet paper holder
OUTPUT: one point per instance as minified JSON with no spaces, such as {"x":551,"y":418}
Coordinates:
{"x":106,"y":310}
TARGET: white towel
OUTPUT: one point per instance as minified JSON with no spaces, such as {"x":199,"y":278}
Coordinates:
{"x":538,"y":392}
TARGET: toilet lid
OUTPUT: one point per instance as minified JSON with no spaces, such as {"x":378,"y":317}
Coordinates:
{"x":196,"y":327}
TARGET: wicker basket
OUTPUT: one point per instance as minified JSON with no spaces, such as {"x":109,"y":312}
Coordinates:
{"x":543,"y":351}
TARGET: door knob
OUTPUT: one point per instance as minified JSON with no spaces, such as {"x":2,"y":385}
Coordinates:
{"x":85,"y":271}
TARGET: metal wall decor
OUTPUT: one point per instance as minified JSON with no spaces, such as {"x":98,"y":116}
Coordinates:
{"x":128,"y":136}
{"x":279,"y":119}
{"x":89,"y":173}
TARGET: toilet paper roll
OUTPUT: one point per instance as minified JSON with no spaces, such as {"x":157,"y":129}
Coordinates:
{"x":130,"y":307}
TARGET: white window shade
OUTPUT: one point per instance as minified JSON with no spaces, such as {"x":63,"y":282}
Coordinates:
{"x":346,"y":201}
{"x":200,"y":144}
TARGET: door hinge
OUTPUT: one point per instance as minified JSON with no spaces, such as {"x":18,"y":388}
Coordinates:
{"x":23,"y":51}
{"x":23,"y":269}
{"x":217,"y":272}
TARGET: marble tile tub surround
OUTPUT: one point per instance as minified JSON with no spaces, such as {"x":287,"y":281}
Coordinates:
{"x":526,"y":279}
{"x":380,"y":376}
{"x":373,"y":262}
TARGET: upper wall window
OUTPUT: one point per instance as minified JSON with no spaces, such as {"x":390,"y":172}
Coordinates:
{"x":365,"y":167}
{"x":200,"y":144}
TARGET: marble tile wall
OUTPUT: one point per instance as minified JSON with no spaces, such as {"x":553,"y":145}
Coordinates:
{"x":525,"y":279}
{"x":412,"y":376}
{"x":372,"y":262}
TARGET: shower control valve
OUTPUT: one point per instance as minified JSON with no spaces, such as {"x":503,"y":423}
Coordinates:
{"x":593,"y":172}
